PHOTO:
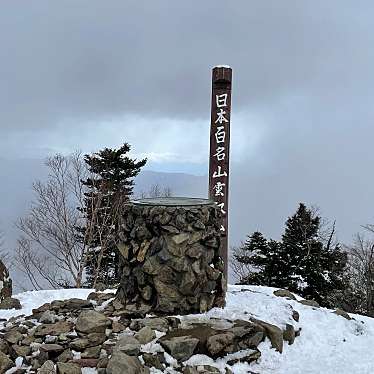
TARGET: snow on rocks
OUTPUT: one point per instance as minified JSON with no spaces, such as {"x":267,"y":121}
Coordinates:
{"x":74,"y":336}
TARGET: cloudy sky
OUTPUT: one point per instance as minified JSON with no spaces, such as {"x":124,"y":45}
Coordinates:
{"x":88,"y":73}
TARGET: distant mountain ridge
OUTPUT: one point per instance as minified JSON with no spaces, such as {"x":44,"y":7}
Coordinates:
{"x":17,"y":177}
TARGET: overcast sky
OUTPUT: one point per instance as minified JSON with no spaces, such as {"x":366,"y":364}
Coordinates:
{"x":88,"y":73}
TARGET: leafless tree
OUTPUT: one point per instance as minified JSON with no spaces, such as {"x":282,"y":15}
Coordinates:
{"x":361,"y":272}
{"x":239,"y":269}
{"x":157,"y":191}
{"x":49,"y":248}
{"x":53,"y":246}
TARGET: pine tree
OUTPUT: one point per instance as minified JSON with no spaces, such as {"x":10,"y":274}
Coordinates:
{"x":302,"y":261}
{"x":110,"y":185}
{"x":262,"y":256}
{"x":314,"y":268}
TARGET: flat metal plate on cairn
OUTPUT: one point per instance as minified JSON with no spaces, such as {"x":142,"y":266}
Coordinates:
{"x":170,"y":256}
{"x":173,"y":201}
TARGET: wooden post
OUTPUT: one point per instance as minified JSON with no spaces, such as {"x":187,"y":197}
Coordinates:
{"x":220,"y":149}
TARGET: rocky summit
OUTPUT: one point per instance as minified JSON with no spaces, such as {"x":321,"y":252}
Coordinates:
{"x":5,"y":283}
{"x":63,"y":337}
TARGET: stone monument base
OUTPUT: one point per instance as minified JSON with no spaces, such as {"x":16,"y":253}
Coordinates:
{"x":169,"y":256}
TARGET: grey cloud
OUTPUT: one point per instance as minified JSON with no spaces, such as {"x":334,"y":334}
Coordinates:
{"x":93,"y":59}
{"x":303,"y":85}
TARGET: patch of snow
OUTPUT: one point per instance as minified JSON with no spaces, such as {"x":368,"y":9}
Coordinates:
{"x":223,"y":66}
{"x":328,"y":343}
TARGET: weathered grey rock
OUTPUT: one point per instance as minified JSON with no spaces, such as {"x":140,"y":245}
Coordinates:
{"x":342,"y":313}
{"x":128,"y":344}
{"x":92,"y":321}
{"x":201,"y":369}
{"x":5,"y":283}
{"x":121,"y":363}
{"x":312,"y":303}
{"x":152,"y":360}
{"x":54,"y":348}
{"x":5,"y":363}
{"x":13,"y":336}
{"x":284,"y":293}
{"x":180,"y":347}
{"x":249,"y":358}
{"x":79,"y":344}
{"x":47,"y":368}
{"x":91,"y":352}
{"x":48,"y":317}
{"x":21,"y":350}
{"x":65,"y":356}
{"x":289,"y":334}
{"x":10,"y":303}
{"x":73,"y":304}
{"x":68,"y":368}
{"x":220,"y":343}
{"x":274,"y":333}
{"x":158,"y":324}
{"x":145,"y":335}
{"x":57,"y":328}
{"x":295,"y":315}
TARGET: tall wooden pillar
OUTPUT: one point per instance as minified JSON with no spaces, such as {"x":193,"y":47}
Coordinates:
{"x":219,"y":165}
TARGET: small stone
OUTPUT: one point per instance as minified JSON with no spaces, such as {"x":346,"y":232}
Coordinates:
{"x":128,"y":344}
{"x":220,"y":343}
{"x":342,"y":313}
{"x":289,"y":334}
{"x":5,"y":363}
{"x":145,"y":335}
{"x":91,"y":352}
{"x":295,"y":315}
{"x":274,"y":333}
{"x":53,"y":329}
{"x":13,"y":337}
{"x":10,"y":303}
{"x":54,"y":348}
{"x":92,"y":321}
{"x":117,"y":327}
{"x":121,"y":363}
{"x":21,"y":350}
{"x":284,"y":293}
{"x":151,"y":360}
{"x":65,"y":356}
{"x":68,"y":368}
{"x":47,"y":368}
{"x":79,"y":344}
{"x":48,"y":317}
{"x":312,"y":303}
{"x":249,"y":358}
{"x":180,"y":347}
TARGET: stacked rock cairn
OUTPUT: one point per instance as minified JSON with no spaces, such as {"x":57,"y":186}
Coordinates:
{"x":169,"y":258}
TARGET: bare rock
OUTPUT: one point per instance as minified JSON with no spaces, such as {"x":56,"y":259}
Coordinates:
{"x":284,"y":293}
{"x":289,"y":334}
{"x":5,"y":283}
{"x":5,"y":363}
{"x":68,"y":368}
{"x":145,"y":335}
{"x":342,"y":313}
{"x":312,"y":303}
{"x":92,"y":321}
{"x":180,"y":347}
{"x":47,"y":368}
{"x":10,"y":303}
{"x":57,"y":328}
{"x":128,"y":344}
{"x":121,"y":363}
{"x":220,"y":343}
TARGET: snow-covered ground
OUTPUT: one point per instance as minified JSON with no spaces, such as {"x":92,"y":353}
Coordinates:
{"x":328,"y":344}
